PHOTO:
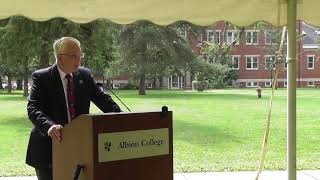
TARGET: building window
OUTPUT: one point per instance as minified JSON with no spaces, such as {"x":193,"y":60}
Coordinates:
{"x":252,"y":62}
{"x":252,"y":84}
{"x":310,"y":62}
{"x":236,"y":62}
{"x":210,"y":36}
{"x":251,"y":37}
{"x":218,"y":37}
{"x":270,"y":37}
{"x":311,"y":83}
{"x":149,"y":85}
{"x":175,"y":82}
{"x":269,"y":62}
{"x":199,"y":39}
{"x":267,"y":84}
{"x":232,"y":36}
{"x":116,"y":86}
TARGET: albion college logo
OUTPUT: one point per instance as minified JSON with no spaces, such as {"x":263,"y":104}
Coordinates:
{"x":107,"y":146}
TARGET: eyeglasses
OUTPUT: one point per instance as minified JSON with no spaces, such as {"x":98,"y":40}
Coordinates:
{"x":74,"y":55}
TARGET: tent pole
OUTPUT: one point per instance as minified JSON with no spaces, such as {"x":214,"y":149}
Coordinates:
{"x":291,"y":89}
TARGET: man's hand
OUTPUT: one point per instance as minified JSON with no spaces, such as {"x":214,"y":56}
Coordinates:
{"x":55,"y":132}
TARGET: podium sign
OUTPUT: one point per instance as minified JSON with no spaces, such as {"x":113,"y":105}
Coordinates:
{"x":116,"y":146}
{"x":133,"y":144}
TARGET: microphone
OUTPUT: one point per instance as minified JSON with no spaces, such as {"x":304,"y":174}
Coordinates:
{"x":103,"y":87}
{"x":77,"y":172}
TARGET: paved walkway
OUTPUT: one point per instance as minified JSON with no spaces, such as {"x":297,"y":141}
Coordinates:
{"x":242,"y":175}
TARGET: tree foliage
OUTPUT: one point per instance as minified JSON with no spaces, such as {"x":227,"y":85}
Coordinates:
{"x":27,"y":45}
{"x":18,"y":47}
{"x":149,"y":50}
{"x":97,"y":39}
{"x":47,"y":32}
{"x":216,"y":66}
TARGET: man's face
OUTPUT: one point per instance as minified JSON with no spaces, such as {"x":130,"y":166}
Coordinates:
{"x":69,"y":60}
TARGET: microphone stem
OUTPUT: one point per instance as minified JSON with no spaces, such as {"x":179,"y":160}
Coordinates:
{"x":119,"y":100}
{"x":103,"y":87}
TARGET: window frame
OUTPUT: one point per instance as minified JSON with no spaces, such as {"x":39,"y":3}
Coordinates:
{"x":218,"y":37}
{"x":265,"y":62}
{"x":252,"y":37}
{"x":252,"y":56}
{"x":252,"y":84}
{"x":235,"y":56}
{"x":200,"y":39}
{"x":271,"y":39}
{"x":233,"y":38}
{"x":311,"y":85}
{"x":265,"y":84}
{"x":313,"y":58}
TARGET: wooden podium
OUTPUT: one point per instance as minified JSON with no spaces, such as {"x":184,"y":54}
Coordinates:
{"x":116,"y":146}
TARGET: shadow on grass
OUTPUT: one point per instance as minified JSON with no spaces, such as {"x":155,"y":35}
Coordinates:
{"x":12,"y":97}
{"x":203,"y":134}
{"x":194,"y":96}
{"x":16,"y":122}
{"x":13,"y":92}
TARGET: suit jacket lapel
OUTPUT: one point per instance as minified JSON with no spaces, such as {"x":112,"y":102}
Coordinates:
{"x":77,"y":81}
{"x":59,"y":92}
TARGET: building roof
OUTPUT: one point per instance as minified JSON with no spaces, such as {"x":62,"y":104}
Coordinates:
{"x":312,"y":34}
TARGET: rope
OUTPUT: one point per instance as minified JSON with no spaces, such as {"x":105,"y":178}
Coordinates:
{"x":274,"y":82}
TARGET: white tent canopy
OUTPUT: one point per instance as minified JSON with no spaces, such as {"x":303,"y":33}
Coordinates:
{"x":201,"y":12}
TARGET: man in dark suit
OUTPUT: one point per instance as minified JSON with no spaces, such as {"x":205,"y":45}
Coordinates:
{"x":59,"y":94}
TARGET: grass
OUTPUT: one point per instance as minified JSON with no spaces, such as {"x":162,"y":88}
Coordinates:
{"x":219,"y":130}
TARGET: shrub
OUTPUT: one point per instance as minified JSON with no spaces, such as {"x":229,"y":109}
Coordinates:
{"x":128,"y":86}
{"x":200,"y":85}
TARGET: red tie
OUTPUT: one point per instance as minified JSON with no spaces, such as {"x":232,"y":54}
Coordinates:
{"x":70,"y":97}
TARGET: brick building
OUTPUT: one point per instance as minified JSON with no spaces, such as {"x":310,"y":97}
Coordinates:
{"x":253,"y":55}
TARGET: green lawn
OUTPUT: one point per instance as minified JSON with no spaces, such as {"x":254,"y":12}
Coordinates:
{"x":220,"y":130}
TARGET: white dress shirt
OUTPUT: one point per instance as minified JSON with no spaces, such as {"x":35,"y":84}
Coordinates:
{"x":64,"y":84}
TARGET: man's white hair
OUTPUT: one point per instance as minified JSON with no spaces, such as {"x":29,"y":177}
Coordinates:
{"x":60,"y":44}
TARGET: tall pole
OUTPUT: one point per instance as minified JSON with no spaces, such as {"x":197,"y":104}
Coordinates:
{"x":299,"y":53}
{"x":291,"y":89}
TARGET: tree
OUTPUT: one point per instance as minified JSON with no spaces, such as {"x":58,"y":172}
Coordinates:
{"x":219,"y":73}
{"x":97,"y":39}
{"x":1,"y":74}
{"x":3,"y":23}
{"x":150,"y":51}
{"x":210,"y":75}
{"x":18,"y":48}
{"x":48,"y":32}
{"x":273,"y":37}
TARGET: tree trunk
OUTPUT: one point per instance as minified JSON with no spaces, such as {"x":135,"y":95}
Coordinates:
{"x":25,"y":78}
{"x":142,"y":86}
{"x":109,"y":83}
{"x":185,"y":80}
{"x":19,"y":84}
{"x":161,"y":82}
{"x":44,"y":60}
{"x":9,"y":83}
{"x":242,"y":36}
{"x":154,"y":83}
{"x":1,"y":87}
